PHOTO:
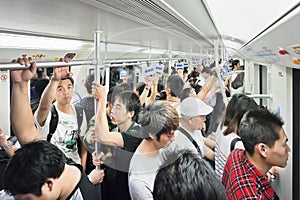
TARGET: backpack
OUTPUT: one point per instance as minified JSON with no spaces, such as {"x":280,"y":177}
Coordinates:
{"x":54,"y":120}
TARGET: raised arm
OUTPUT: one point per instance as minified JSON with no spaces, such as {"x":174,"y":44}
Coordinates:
{"x":48,"y":95}
{"x":21,"y":115}
{"x":102,"y":133}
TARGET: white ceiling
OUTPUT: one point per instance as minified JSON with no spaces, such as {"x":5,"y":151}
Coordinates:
{"x":190,"y":27}
{"x":243,"y":20}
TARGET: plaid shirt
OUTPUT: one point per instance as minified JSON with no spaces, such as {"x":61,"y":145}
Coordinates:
{"x":242,"y":180}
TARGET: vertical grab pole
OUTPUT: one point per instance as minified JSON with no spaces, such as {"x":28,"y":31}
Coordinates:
{"x":221,"y":83}
{"x":97,"y":36}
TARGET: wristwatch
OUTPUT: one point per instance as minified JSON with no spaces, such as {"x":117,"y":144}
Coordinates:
{"x":9,"y":144}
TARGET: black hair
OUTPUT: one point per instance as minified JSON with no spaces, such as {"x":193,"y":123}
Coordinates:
{"x":130,"y":100}
{"x":241,"y":106}
{"x":88,"y":82}
{"x":259,"y":126}
{"x":175,"y":84}
{"x":140,"y":88}
{"x":68,"y":78}
{"x":230,"y":110}
{"x":188,"y":178}
{"x":31,"y":166}
{"x":186,"y":93}
{"x":119,"y":88}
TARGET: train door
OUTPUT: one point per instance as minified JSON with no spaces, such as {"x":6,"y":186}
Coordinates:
{"x":296,"y":130}
{"x":263,"y":86}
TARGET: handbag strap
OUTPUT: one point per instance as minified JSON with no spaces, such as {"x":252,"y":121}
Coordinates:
{"x":191,"y":139}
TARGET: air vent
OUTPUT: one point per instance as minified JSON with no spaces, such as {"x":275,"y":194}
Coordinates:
{"x":150,"y":12}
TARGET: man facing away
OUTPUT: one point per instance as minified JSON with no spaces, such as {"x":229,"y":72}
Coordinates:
{"x":159,"y":120}
{"x":265,"y":143}
{"x":38,"y":170}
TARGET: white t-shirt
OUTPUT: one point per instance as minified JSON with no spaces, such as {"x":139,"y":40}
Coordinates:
{"x":66,"y":134}
{"x":142,"y":173}
{"x":222,"y":149}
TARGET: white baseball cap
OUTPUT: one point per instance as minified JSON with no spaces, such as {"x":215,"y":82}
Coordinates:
{"x":193,"y":106}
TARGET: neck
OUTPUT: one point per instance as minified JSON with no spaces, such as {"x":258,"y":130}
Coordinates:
{"x":125,"y":125}
{"x":66,"y":108}
{"x":258,"y":162}
{"x":148,"y":148}
{"x":69,"y":180}
{"x":171,"y":98}
{"x":189,"y":129}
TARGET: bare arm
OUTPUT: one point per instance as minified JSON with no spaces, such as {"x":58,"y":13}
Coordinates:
{"x":207,"y":87}
{"x":102,"y":133}
{"x":21,"y":115}
{"x":48,"y":95}
{"x":47,"y":98}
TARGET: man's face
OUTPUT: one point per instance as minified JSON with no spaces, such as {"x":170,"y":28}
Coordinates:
{"x":165,"y":140}
{"x":279,"y":153}
{"x":64,"y":91}
{"x":119,"y":113}
{"x":197,"y":122}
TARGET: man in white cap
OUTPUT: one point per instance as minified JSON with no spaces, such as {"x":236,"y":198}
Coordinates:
{"x":193,"y":113}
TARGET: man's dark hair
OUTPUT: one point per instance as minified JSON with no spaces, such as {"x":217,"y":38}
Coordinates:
{"x":69,"y":78}
{"x":234,"y":63}
{"x":88,"y":82}
{"x":259,"y":126}
{"x":188,"y":178}
{"x":119,"y":88}
{"x":31,"y":166}
{"x":158,"y":118}
{"x":131,"y":101}
{"x":175,"y":84}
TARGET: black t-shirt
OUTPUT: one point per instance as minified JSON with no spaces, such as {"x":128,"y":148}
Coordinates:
{"x":115,"y":184}
{"x":85,"y":189}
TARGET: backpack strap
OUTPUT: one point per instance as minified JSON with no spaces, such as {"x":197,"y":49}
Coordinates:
{"x":53,"y":122}
{"x":233,"y":142}
{"x":79,"y":113}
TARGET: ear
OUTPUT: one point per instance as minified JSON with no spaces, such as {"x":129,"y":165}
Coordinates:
{"x":48,"y":185}
{"x":168,"y":91}
{"x":152,"y":136}
{"x":262,"y":149}
{"x":131,"y":114}
{"x":190,"y":120}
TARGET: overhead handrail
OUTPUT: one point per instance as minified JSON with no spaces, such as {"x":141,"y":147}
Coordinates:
{"x":8,"y":66}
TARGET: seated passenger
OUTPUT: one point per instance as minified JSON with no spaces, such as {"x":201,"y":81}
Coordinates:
{"x":188,"y":178}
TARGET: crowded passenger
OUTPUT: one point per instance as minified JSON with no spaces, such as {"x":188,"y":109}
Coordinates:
{"x":188,"y":178}
{"x":124,"y":112}
{"x":66,"y":132}
{"x":40,"y":167}
{"x":265,"y":143}
{"x":227,"y":133}
{"x":159,"y":120}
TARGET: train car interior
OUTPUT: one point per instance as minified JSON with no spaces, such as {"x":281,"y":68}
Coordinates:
{"x":107,"y":37}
